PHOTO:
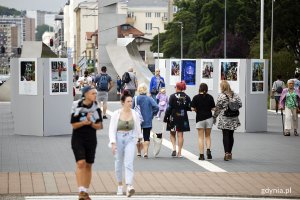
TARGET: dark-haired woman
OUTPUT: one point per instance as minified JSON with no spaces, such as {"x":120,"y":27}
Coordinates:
{"x":124,"y":132}
{"x":176,"y":116}
{"x":202,"y":104}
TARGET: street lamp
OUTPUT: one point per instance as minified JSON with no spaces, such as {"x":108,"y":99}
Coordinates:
{"x":271,"y":53}
{"x":181,"y":41}
{"x":225,"y":30}
{"x":157,"y":43}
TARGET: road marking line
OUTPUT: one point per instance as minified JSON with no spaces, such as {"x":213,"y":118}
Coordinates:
{"x":188,"y":155}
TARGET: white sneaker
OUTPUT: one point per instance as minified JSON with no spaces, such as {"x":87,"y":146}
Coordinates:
{"x":120,"y":190}
{"x":130,"y":191}
{"x":158,"y":119}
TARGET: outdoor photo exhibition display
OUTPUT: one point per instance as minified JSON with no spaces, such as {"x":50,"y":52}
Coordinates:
{"x":175,"y":71}
{"x":188,"y":71}
{"x":257,"y":76}
{"x":207,"y":71}
{"x":58,"y":77}
{"x":229,"y":70}
{"x":27,"y":76}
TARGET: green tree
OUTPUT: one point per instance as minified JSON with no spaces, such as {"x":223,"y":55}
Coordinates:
{"x":40,"y":30}
{"x":9,"y":11}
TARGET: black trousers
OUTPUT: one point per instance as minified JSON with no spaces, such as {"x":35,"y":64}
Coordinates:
{"x":228,"y":140}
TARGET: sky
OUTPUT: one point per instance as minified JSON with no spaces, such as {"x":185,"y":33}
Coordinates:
{"x":45,"y":5}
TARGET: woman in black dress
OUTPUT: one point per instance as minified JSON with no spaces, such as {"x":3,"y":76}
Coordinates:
{"x":176,"y":116}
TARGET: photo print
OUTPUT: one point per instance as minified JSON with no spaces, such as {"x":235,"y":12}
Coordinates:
{"x":188,"y":71}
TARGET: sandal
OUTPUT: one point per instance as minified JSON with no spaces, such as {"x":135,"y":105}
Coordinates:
{"x":139,"y":155}
{"x":145,"y":156}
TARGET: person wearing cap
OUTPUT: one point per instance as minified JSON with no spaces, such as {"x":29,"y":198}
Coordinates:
{"x":176,"y":116}
{"x":290,"y":101}
{"x":86,"y":120}
{"x":157,"y":82}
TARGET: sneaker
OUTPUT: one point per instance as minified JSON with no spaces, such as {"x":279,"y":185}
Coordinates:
{"x":104,"y":117}
{"x":84,"y":196}
{"x":158,"y":119}
{"x":230,"y":156}
{"x":226,"y":157}
{"x":120,"y":190}
{"x":173,"y":154}
{"x":130,"y":191}
{"x":296,"y":133}
{"x":201,"y":157}
{"x":287,"y":134}
{"x":208,"y":154}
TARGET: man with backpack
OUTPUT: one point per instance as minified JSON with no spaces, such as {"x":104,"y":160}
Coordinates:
{"x":103,"y":84}
{"x":130,"y":81}
{"x":277,"y":88}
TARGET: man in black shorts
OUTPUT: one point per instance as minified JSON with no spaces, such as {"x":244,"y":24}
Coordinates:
{"x":85,"y":119}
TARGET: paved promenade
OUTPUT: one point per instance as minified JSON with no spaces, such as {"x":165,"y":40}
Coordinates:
{"x":264,"y":165}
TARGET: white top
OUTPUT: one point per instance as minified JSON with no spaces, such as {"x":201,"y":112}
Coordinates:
{"x":113,"y":126}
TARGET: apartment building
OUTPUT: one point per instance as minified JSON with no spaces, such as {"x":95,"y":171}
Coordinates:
{"x":145,"y":15}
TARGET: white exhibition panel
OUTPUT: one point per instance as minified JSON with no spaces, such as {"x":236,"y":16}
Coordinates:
{"x":247,"y":77}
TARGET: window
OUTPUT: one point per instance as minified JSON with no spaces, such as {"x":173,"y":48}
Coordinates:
{"x":148,"y":26}
{"x":157,"y":14}
{"x":175,"y":9}
{"x":130,"y":14}
{"x":148,"y":14}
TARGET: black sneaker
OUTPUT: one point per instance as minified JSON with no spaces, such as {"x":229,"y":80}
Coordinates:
{"x":201,"y":157}
{"x":173,"y":154}
{"x":287,"y":134}
{"x":104,"y":117}
{"x":208,"y":153}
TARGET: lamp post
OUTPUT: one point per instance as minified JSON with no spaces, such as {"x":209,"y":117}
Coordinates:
{"x":262,"y":29}
{"x":225,"y":30}
{"x":271,"y":53}
{"x":181,"y":38}
{"x":157,"y":43}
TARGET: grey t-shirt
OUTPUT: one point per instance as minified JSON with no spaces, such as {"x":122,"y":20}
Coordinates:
{"x":131,"y":85}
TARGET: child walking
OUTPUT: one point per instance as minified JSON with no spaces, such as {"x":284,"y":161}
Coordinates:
{"x":162,"y":102}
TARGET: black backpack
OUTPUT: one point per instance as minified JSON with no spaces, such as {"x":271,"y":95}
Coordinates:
{"x":102,"y":83}
{"x":278,"y":88}
{"x":126,"y":78}
{"x":232,"y":108}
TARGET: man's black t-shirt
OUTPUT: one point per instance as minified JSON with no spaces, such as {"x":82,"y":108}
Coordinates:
{"x":203,"y":103}
{"x":87,"y":129}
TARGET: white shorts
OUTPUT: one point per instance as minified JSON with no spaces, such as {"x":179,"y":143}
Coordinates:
{"x":208,"y":123}
{"x":102,"y":96}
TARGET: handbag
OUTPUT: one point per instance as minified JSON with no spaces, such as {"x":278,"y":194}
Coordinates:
{"x":137,"y":108}
{"x":157,"y":141}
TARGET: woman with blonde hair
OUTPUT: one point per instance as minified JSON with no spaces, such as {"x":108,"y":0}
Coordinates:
{"x":149,"y":109}
{"x":227,"y":123}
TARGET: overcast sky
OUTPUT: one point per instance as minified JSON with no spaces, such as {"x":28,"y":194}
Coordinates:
{"x":46,"y":5}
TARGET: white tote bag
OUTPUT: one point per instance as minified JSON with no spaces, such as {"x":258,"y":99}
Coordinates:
{"x":157,"y":141}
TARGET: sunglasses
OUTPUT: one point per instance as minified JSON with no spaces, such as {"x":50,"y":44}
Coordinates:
{"x":127,"y":125}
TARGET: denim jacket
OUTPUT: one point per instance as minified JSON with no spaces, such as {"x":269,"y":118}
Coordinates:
{"x":149,"y":108}
{"x":283,"y":97}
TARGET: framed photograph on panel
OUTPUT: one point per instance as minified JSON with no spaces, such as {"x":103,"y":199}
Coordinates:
{"x":58,"y":76}
{"x":257,"y":76}
{"x":175,"y":70}
{"x":229,"y":70}
{"x":28,"y":76}
{"x":188,"y":71}
{"x":207,"y":72}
